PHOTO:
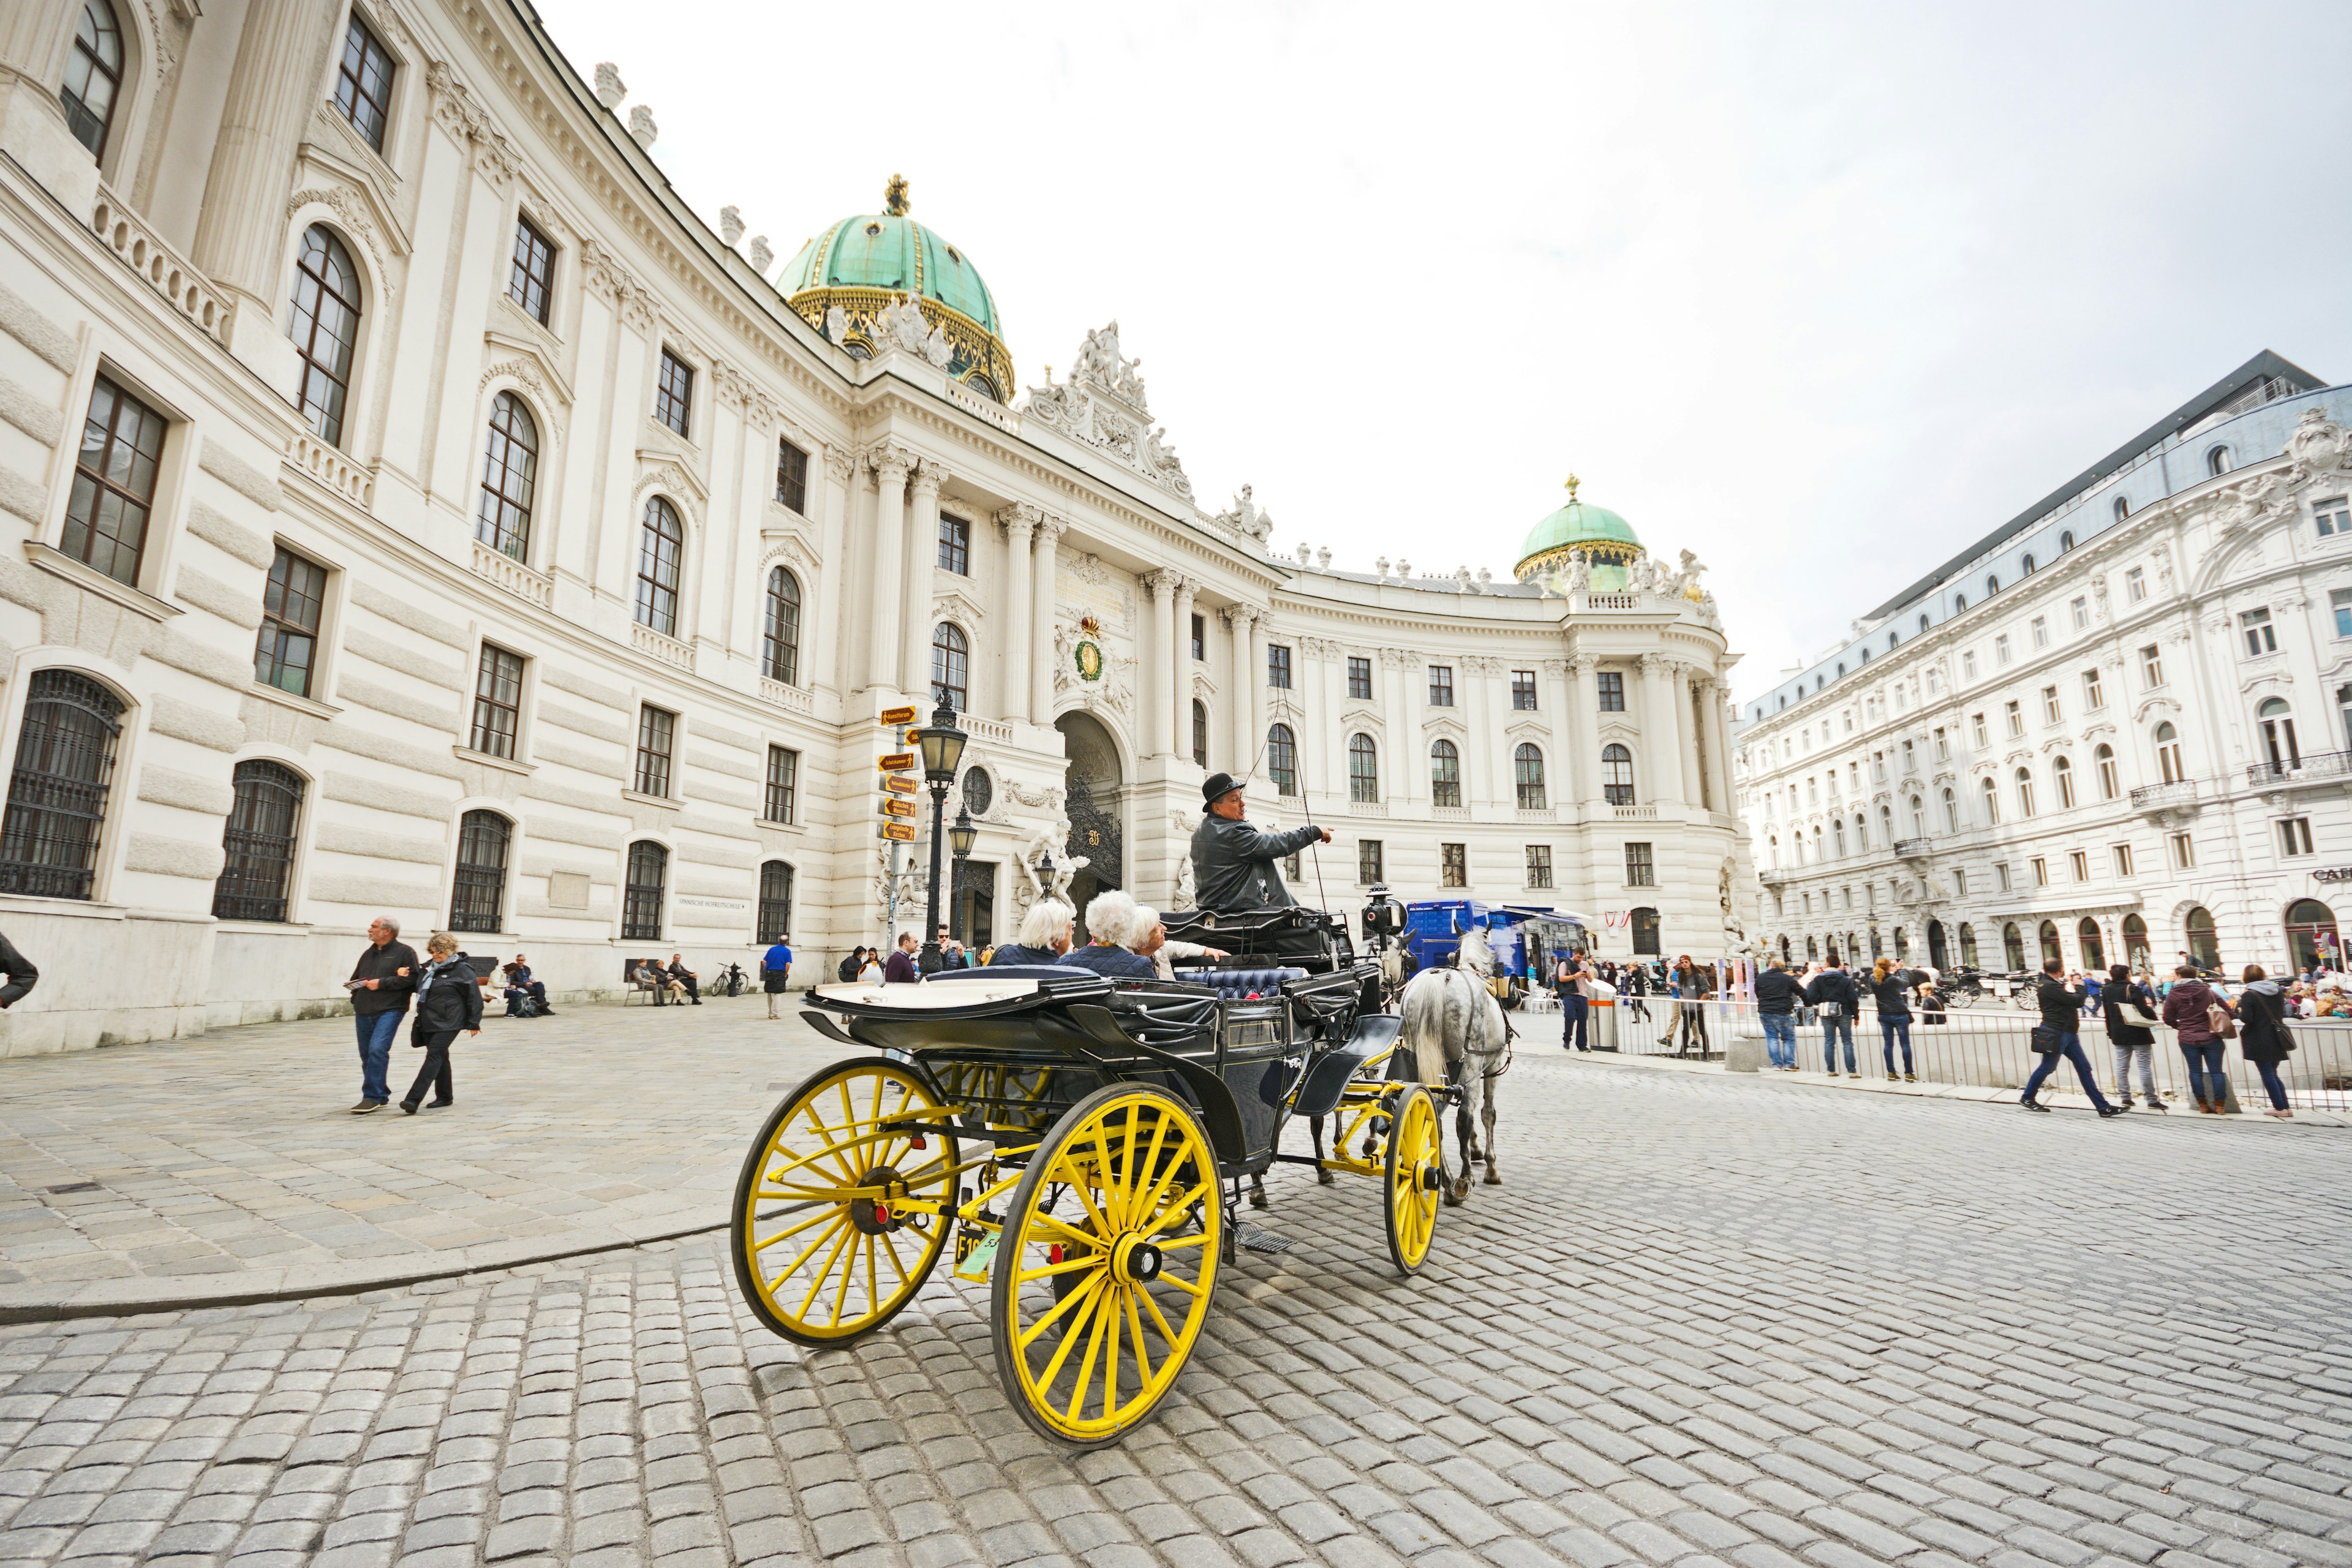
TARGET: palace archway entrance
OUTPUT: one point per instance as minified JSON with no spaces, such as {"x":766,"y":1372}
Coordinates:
{"x":1092,"y":787}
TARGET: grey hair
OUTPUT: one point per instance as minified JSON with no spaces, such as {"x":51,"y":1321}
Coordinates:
{"x":388,"y":923}
{"x":1110,"y":917}
{"x":1146,"y":917}
{"x":443,"y":941}
{"x":1046,"y":919}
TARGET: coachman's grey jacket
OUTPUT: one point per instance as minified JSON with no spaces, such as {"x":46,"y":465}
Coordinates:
{"x":1232,"y":864}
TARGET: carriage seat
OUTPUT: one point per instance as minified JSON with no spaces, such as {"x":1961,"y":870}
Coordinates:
{"x":1233,"y":984}
{"x":1008,"y":972}
{"x":1326,"y":1079}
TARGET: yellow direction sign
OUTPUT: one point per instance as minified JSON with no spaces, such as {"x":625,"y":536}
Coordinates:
{"x":898,"y":833}
{"x":894,"y":717}
{"x":902,"y":809}
{"x":896,"y":762}
{"x":898,"y":784}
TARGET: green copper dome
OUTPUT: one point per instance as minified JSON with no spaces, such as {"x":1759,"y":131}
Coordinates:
{"x":1607,"y":540}
{"x":863,"y":265}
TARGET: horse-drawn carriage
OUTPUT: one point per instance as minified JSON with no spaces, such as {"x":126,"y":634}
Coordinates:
{"x":1081,"y":1143}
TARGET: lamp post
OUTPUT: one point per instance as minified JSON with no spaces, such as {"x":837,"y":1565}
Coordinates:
{"x":960,"y":838}
{"x":942,"y":746}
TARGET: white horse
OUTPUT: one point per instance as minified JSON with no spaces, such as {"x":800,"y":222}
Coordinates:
{"x":1456,"y":1031}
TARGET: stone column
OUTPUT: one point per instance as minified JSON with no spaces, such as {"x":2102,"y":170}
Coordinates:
{"x":922,"y":561}
{"x":1719,"y":743}
{"x":1240,"y":622}
{"x":1580,"y":733}
{"x":1020,"y":524}
{"x":891,"y":466}
{"x":1660,"y":734}
{"x":1179,"y":667}
{"x":1686,"y":735}
{"x":1155,"y":734}
{"x":829,"y":597}
{"x":1043,"y":549}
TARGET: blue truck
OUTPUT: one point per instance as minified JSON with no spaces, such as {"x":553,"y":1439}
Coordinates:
{"x":1519,"y":934}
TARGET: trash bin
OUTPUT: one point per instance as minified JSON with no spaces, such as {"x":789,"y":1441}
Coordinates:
{"x":1601,"y":1022}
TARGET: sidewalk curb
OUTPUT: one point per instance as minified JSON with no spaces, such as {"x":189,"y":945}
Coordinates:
{"x":122,"y":1299}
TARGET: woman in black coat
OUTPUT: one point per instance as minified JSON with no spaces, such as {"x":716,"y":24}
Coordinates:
{"x":447,"y":1000}
{"x":2262,"y":1038}
{"x":2133,"y":1042}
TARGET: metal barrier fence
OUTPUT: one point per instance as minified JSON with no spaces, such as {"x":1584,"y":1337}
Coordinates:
{"x":1991,"y":1046}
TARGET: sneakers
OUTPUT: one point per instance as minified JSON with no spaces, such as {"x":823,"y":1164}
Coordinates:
{"x":1892,"y":1079}
{"x":2034,"y":1105}
{"x":366,"y":1106}
{"x":2106,"y":1111}
{"x":2158,"y":1105}
{"x":1908,"y":1078}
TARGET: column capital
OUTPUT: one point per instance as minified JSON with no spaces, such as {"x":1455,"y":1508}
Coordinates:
{"x":840,"y":464}
{"x":1581,"y":664}
{"x":1161,"y":582}
{"x":1660,"y":663}
{"x":1239,"y":616}
{"x":929,"y":476}
{"x":1554,"y":667}
{"x":1050,"y":526}
{"x":1019,"y":520}
{"x":891,"y":463}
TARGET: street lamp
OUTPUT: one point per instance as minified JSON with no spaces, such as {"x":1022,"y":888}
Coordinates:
{"x":942,"y":747}
{"x":964,"y":834}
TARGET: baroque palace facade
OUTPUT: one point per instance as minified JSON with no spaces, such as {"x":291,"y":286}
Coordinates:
{"x":419,"y":511}
{"x":2118,"y":727}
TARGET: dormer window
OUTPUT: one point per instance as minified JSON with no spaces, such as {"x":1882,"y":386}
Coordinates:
{"x":2217,"y":461}
{"x":2123,"y":509}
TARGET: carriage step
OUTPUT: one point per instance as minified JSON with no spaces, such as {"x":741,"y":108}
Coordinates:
{"x":1258,"y":1240}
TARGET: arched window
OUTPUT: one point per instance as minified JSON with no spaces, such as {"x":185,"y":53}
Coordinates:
{"x":661,"y":553}
{"x":509,"y":473}
{"x":780,"y":637}
{"x":1959,"y":602}
{"x":2203,"y":950}
{"x":1200,"y":734}
{"x":1817,"y":845}
{"x":1281,"y":760}
{"x":641,"y":901}
{"x":257,"y":845}
{"x":1445,"y":774}
{"x":2168,"y":753}
{"x":2106,"y":758}
{"x":950,"y":665}
{"x":57,"y":795}
{"x":2217,"y":460}
{"x":1526,"y":771}
{"x":1992,"y":802}
{"x":1968,"y":945}
{"x":1892,"y":639}
{"x":1923,"y":623}
{"x":1616,"y":775}
{"x":2094,"y":944}
{"x":2065,"y":542}
{"x":2050,"y":948}
{"x":1812,"y":949}
{"x":93,"y":76}
{"x":1776,"y":851}
{"x":2278,"y":735}
{"x":1887,"y":825}
{"x":2013,"y":946}
{"x":1902,"y":945}
{"x":2024,"y":792}
{"x":2025,"y":567}
{"x":1861,"y":834}
{"x":1363,"y":769}
{"x":480,"y":895}
{"x":1918,"y":819}
{"x":1993,"y":586}
{"x":775,"y":902}
{"x":2123,"y":509}
{"x":1837,"y":836}
{"x":2062,"y":772}
{"x":2311,"y":935}
{"x":1951,"y":811}
{"x":326,"y":330}
{"x":2136,"y":951}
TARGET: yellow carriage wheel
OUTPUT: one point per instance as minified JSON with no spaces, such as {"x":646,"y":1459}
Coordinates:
{"x":1106,"y":1265}
{"x":1416,"y":1169}
{"x":826,"y":1245}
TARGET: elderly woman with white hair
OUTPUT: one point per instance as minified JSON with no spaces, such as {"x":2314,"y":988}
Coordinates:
{"x":1150,"y":940}
{"x":1110,"y":921}
{"x":1044,"y":935}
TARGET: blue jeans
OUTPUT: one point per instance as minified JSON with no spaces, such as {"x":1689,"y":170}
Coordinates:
{"x":2204,"y":1061}
{"x":2271,"y":1084}
{"x":1890,"y":1030}
{"x":1574,"y":1010}
{"x":1780,"y":1039}
{"x":376,"y":1032}
{"x":2071,"y":1048}
{"x":1831,"y":1029}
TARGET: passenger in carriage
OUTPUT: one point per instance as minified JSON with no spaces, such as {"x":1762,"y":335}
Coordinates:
{"x":1152,"y":941}
{"x":1233,"y":863}
{"x":1110,"y":920}
{"x":1044,"y":935}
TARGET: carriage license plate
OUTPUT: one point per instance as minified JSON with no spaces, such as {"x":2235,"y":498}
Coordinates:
{"x":975,"y":1250}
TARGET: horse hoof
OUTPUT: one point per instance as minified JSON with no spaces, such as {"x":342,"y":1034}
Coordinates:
{"x":1324,"y":1179}
{"x":1453,"y":1198}
{"x":1258,"y":1200}
{"x":1492,"y":1179}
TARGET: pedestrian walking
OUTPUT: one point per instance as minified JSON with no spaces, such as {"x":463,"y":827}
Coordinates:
{"x":2198,"y":1017}
{"x":379,"y":986}
{"x":1569,"y":977}
{"x":2130,"y":1010}
{"x":1890,"y":988}
{"x":1832,"y":992}
{"x":2263,"y":1037}
{"x":2058,"y":1035}
{"x":447,"y":1001}
{"x":1635,"y":988}
{"x":776,"y":970}
{"x":22,"y":975}
{"x":1776,"y":1008}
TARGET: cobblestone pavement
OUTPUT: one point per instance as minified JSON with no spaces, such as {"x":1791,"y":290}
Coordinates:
{"x":230,"y":1163}
{"x":1708,"y":1320}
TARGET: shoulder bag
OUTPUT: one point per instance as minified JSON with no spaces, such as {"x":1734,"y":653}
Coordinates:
{"x":2217,"y":1019}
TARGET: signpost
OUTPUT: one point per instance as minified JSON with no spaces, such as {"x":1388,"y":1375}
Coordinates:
{"x":896,"y":807}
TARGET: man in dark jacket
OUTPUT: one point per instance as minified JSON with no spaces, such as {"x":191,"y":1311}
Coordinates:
{"x":1832,"y":992}
{"x":380,"y":984}
{"x":679,"y":971}
{"x":1776,"y":1006}
{"x":1572,"y":979}
{"x":899,"y":969}
{"x":22,"y":975}
{"x":1233,"y":863}
{"x":2061,"y":1017}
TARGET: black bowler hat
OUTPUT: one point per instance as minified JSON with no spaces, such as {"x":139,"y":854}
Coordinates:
{"x":1216,"y":787}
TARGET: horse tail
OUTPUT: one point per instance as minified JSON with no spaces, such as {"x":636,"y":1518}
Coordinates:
{"x":1421,"y":1029}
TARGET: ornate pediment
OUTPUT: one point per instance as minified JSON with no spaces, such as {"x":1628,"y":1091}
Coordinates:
{"x":1102,"y":405}
{"x":527,"y":363}
{"x":1362,"y":717}
{"x":957,"y":604}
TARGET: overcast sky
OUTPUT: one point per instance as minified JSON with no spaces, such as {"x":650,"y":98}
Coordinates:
{"x":1819,"y":292}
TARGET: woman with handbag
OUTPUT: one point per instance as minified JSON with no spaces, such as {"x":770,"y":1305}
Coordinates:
{"x":2130,"y":1014}
{"x":2058,"y":1035}
{"x":2263,"y":1034}
{"x":2201,"y":1021}
{"x":447,"y":1000}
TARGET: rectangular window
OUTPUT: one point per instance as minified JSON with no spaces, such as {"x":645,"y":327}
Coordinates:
{"x":2079,"y":862}
{"x":1199,"y":638}
{"x":1640,"y":872}
{"x":656,"y":732}
{"x":1441,"y":686}
{"x":2339,"y":602}
{"x":2016,"y":717}
{"x":1613,"y":691}
{"x":286,"y":654}
{"x":2082,"y":608}
{"x":2001,"y":874}
{"x":1359,"y":678}
{"x":2184,"y":853}
{"x":2094,"y":695}
{"x":2294,"y":835}
{"x":674,"y":393}
{"x":2134,"y":586}
{"x":2041,"y":631}
{"x":1943,"y":747}
{"x":2000,"y":648}
{"x":784,"y":784}
{"x":1370,"y":860}
{"x":2050,"y":714}
{"x":498,"y":703}
{"x":2333,"y":516}
{"x":792,"y":476}
{"x":363,"y":83}
{"x":1910,"y":762}
{"x":1453,"y":865}
{"x":2123,"y":860}
{"x":1977,"y":722}
{"x":2151,"y":667}
{"x":2041,"y":873}
{"x":1969,"y":665}
{"x":955,"y":545}
{"x":113,"y":483}
{"x":1277,"y":666}
{"x":1523,"y":692}
{"x":2261,"y":637}
{"x":1538,"y":864}
{"x":530,"y":283}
